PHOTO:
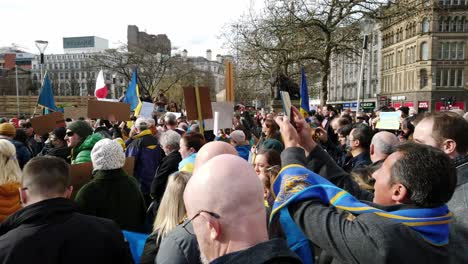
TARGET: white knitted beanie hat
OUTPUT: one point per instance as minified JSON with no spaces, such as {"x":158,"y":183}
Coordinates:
{"x":107,"y":154}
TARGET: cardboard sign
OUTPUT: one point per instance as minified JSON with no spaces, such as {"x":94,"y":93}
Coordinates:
{"x":191,"y":103}
{"x":46,"y":123}
{"x":83,"y":172}
{"x":111,"y":111}
{"x":147,"y":110}
{"x":389,"y":120}
{"x":225,"y":113}
{"x":75,"y":112}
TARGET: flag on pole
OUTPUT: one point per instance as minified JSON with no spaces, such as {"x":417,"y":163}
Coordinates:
{"x":132,"y":95}
{"x":101,"y":89}
{"x":304,"y":94}
{"x":46,"y":96}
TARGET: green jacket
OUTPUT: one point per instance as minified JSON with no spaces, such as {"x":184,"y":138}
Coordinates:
{"x":82,"y":153}
{"x":114,"y":195}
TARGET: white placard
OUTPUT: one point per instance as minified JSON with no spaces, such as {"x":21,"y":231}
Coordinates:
{"x":216,"y":123}
{"x":226,"y":113}
{"x":147,"y":109}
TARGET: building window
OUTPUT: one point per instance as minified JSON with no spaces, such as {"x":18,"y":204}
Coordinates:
{"x":460,"y":24}
{"x":423,"y":78}
{"x":424,"y":51}
{"x":453,"y":51}
{"x":438,"y":73}
{"x":444,"y":77}
{"x":459,"y":78}
{"x":425,"y":25}
{"x":452,"y":78}
{"x":447,"y":25}
{"x":446,"y":50}
{"x":454,"y":24}
{"x":460,"y":50}
{"x":441,"y":24}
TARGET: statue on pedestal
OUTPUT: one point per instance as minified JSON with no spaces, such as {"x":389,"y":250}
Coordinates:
{"x":284,"y":83}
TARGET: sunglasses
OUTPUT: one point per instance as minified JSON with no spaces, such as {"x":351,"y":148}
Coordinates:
{"x":70,"y":133}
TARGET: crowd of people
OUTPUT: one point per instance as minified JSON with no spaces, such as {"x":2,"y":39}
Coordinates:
{"x":327,"y":187}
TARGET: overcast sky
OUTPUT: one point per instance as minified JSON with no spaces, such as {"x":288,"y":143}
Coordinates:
{"x":190,"y":24}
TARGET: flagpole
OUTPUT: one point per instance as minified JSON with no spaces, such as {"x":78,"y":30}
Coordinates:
{"x":17,"y":90}
{"x":37,"y":102}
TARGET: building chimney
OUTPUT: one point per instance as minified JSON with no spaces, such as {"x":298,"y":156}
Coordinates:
{"x":208,"y":54}
{"x":184,"y":53}
{"x":219,"y":58}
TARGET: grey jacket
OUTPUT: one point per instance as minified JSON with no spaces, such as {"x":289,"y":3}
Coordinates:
{"x":366,"y":238}
{"x":459,"y":206}
{"x":179,"y":247}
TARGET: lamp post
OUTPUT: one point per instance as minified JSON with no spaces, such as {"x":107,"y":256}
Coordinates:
{"x":366,"y":27}
{"x":41,"y":46}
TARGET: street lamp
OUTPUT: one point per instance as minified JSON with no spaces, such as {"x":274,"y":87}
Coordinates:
{"x":366,"y":29}
{"x":41,"y":46}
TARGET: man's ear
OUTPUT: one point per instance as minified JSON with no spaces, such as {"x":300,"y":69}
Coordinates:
{"x":356,"y":143}
{"x":400,"y":193}
{"x":68,"y":192}
{"x":371,"y":150}
{"x":23,"y":196}
{"x":449,"y":146}
{"x":215,"y":228}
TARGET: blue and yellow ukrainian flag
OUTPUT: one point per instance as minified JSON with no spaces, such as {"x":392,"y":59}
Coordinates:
{"x":304,"y":95}
{"x":296,"y":183}
{"x":132,"y":96}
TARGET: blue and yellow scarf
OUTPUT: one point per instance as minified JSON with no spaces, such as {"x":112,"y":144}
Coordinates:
{"x":296,"y":183}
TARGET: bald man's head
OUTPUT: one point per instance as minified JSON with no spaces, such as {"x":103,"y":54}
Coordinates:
{"x":382,"y":145}
{"x":225,"y":189}
{"x":228,"y":198}
{"x":213,"y":149}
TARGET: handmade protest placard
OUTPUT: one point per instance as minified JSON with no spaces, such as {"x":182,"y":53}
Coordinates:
{"x":111,"y":111}
{"x":46,"y":123}
{"x":75,"y":112}
{"x":225,"y":113}
{"x":192,"y":102}
{"x":389,"y":120}
{"x":147,"y":110}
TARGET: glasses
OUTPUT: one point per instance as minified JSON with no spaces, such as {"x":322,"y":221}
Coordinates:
{"x":184,"y":226}
{"x":70,"y":133}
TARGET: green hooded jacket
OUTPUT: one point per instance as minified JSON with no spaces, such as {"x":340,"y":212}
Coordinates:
{"x":82,"y":153}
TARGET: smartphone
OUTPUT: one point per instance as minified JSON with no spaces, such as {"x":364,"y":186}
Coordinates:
{"x":291,"y":117}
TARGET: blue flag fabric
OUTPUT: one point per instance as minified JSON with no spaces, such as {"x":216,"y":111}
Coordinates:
{"x":46,"y":96}
{"x":296,"y":183}
{"x":132,"y":96}
{"x":304,"y":94}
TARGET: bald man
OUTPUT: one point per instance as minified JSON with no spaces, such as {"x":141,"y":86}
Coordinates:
{"x":213,"y":149}
{"x":382,"y":145}
{"x":228,"y":216}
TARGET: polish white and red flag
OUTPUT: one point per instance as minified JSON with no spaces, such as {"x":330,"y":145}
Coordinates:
{"x":101,"y":89}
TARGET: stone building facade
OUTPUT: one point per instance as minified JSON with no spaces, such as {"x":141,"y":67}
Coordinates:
{"x":424,"y":57}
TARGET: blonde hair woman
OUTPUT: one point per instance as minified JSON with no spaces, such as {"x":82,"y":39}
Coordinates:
{"x":10,"y":180}
{"x":170,"y":214}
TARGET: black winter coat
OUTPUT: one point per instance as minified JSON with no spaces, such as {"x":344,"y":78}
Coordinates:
{"x":274,"y":251}
{"x":52,"y":231}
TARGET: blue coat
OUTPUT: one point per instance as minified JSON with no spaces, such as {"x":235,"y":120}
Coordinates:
{"x":148,"y":155}
{"x":243,"y":151}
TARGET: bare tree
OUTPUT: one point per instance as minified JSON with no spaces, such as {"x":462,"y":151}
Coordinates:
{"x":289,"y":34}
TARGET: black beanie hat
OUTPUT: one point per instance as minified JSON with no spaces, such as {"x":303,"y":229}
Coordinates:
{"x":81,"y":128}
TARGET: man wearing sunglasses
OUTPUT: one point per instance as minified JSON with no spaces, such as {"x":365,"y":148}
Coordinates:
{"x":227,"y":213}
{"x":81,"y":140}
